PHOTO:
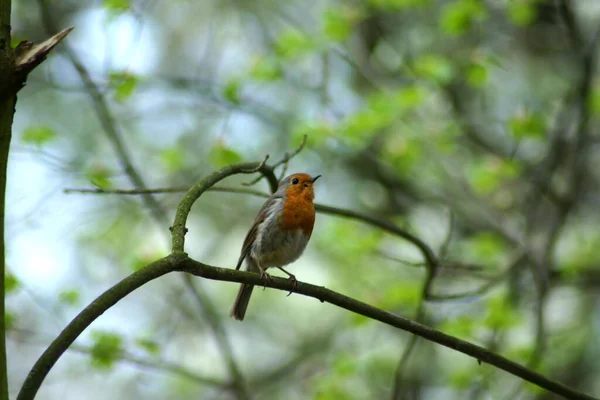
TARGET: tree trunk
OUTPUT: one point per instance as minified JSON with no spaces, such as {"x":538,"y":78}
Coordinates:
{"x":7,"y":110}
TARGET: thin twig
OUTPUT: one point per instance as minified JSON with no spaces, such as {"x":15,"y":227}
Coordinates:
{"x":388,"y":226}
{"x":446,"y":244}
{"x":284,"y":160}
{"x":258,"y":167}
{"x":288,"y":156}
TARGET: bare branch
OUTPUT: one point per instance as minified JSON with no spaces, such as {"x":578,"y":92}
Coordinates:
{"x":288,"y":156}
{"x":388,"y":226}
{"x":180,"y":262}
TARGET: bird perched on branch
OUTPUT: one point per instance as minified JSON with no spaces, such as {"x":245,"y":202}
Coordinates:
{"x":279,"y":233}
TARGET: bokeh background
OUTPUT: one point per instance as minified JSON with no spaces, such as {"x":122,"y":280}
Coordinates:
{"x":470,"y":123}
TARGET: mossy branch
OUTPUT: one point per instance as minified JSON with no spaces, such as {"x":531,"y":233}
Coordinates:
{"x":180,"y":262}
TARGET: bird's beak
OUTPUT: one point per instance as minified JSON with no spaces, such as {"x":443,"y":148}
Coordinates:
{"x":315,"y":178}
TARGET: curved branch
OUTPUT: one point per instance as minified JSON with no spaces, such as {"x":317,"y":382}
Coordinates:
{"x":180,"y":262}
{"x":85,"y":318}
{"x":178,"y":229}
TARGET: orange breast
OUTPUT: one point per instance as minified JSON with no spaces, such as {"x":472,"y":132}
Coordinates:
{"x":298,"y":213}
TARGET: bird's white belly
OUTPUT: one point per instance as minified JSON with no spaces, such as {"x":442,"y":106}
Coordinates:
{"x":280,"y":249}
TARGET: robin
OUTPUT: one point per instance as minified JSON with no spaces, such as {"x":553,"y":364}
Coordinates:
{"x":279,"y":233}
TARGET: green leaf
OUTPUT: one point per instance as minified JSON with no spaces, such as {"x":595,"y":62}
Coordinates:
{"x":106,"y":349}
{"x":489,"y":173}
{"x":435,"y":68}
{"x":116,"y":7}
{"x":403,"y":153}
{"x":99,"y":176}
{"x":345,"y":366}
{"x":594,"y":101}
{"x":70,"y":297}
{"x":333,"y":391}
{"x":365,"y":122}
{"x":410,"y":97}
{"x":150,"y":346}
{"x":458,"y":17}
{"x":9,"y":320}
{"x":359,"y":320}
{"x":11,"y":283}
{"x":231,"y":91}
{"x":500,"y":313}
{"x":527,"y":124}
{"x":172,"y":159}
{"x":266,"y":69}
{"x":221,"y":156}
{"x":463,"y":326}
{"x":317,"y":132}
{"x":402,"y":294}
{"x":522,"y":12}
{"x":124,"y":84}
{"x":488,"y":247}
{"x":521,"y":353}
{"x":381,"y":110}
{"x":38,"y":135}
{"x":292,"y":43}
{"x":338,"y":23}
{"x":392,"y":5}
{"x":477,"y":75}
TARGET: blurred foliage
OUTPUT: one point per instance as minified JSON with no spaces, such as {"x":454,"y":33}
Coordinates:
{"x":70,"y":296}
{"x":124,"y":85}
{"x":11,"y":283}
{"x":150,"y":346}
{"x":414,"y":110}
{"x":38,"y":135}
{"x":107,"y":347}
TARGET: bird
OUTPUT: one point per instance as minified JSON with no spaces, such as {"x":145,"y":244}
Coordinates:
{"x":279,"y":234}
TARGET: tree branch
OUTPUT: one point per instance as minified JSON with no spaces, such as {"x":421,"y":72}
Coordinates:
{"x":180,"y":262}
{"x":178,"y":229}
{"x":183,"y":263}
{"x":385,"y":225}
{"x":15,"y":65}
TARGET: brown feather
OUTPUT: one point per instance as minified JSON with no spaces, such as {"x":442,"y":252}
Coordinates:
{"x":251,"y":235}
{"x":238,"y":311}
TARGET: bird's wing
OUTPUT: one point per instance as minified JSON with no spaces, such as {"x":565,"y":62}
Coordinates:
{"x":251,"y":236}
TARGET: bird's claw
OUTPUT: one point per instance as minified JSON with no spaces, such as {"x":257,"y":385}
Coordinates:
{"x":266,"y":277}
{"x":294,"y":281}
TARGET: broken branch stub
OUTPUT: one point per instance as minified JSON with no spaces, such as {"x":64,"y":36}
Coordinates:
{"x":27,"y":56}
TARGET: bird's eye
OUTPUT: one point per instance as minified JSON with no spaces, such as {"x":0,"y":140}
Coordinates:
{"x":295,"y":181}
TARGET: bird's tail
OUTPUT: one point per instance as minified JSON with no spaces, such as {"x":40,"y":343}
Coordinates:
{"x":238,"y":311}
